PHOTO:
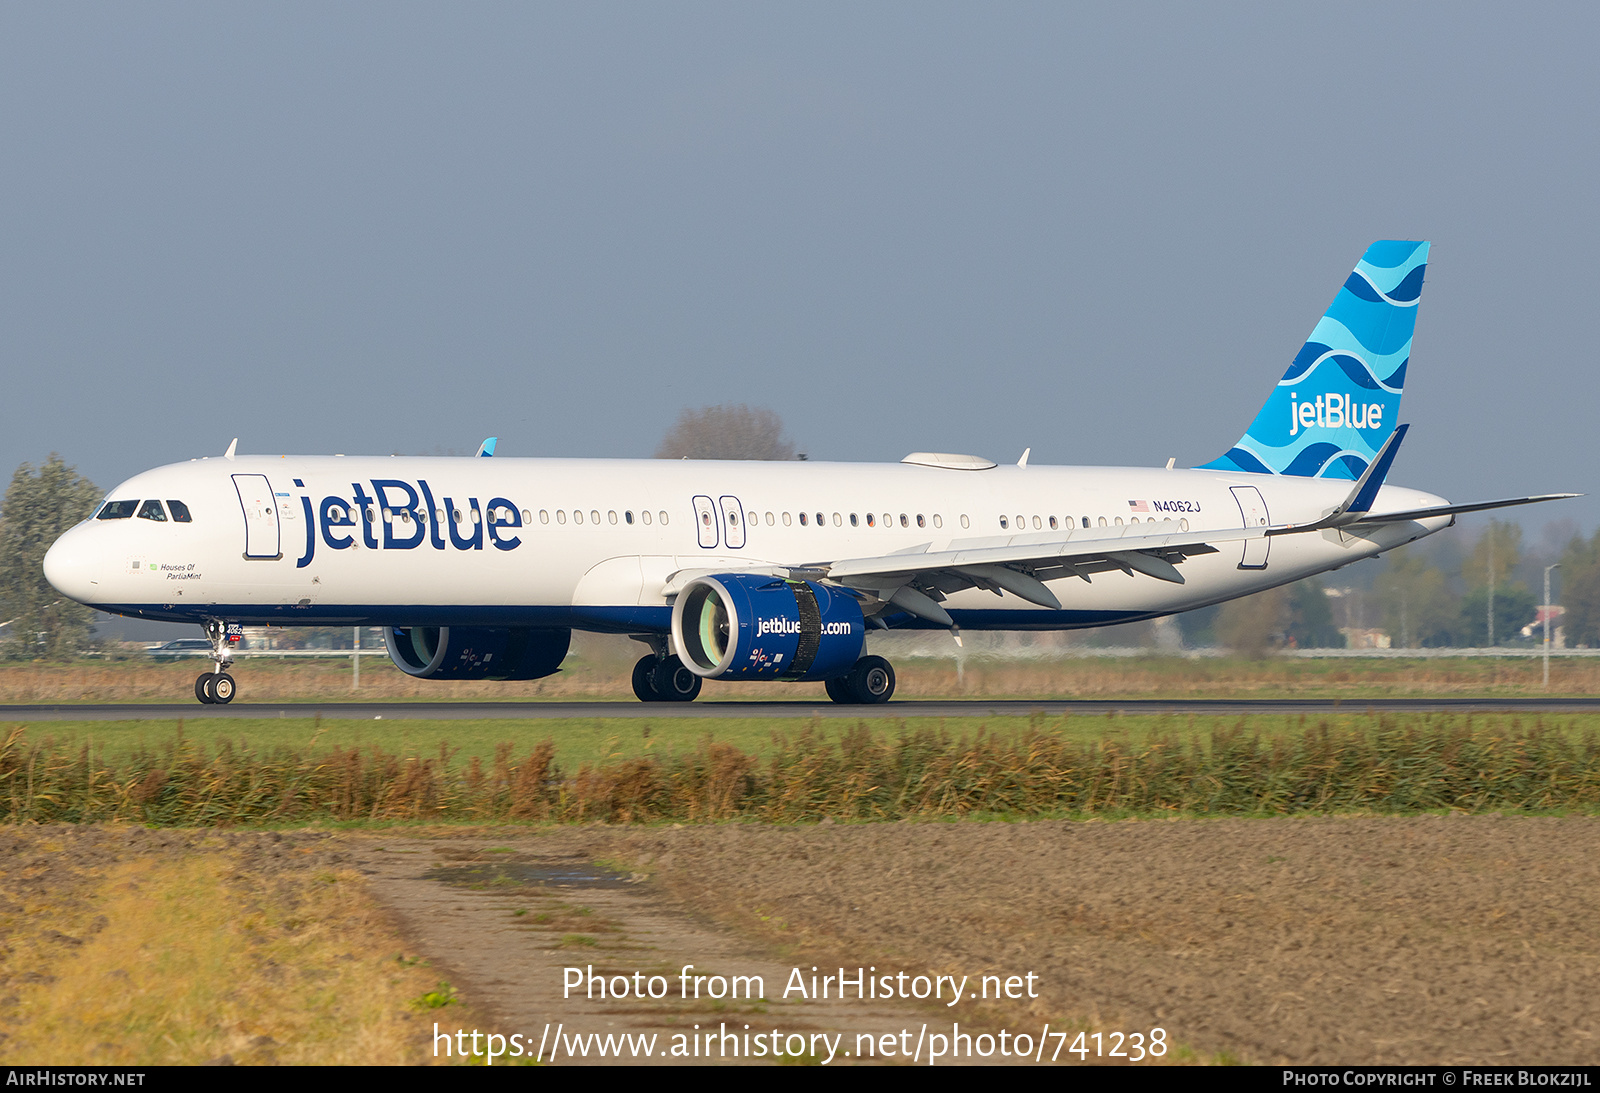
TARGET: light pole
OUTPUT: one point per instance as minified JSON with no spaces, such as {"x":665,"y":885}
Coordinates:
{"x":1547,"y":613}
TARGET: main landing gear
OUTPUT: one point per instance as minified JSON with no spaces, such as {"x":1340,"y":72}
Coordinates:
{"x":871,"y":681}
{"x":216,"y":687}
{"x":664,"y":679}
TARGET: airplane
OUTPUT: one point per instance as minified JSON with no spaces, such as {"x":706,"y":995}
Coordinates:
{"x":481,"y":568}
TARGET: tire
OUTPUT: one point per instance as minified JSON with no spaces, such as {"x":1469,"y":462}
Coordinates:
{"x":201,"y":689}
{"x":871,"y":681}
{"x":642,"y":686}
{"x":673,"y":682}
{"x":221,"y":688}
{"x":839,"y":690}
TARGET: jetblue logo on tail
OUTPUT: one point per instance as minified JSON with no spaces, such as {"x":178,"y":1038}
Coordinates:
{"x":1340,"y":398}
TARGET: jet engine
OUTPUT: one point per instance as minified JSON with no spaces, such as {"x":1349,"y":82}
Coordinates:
{"x":473,"y":652}
{"x":744,"y":626}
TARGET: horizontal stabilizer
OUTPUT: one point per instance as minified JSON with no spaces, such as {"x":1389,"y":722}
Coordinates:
{"x":1453,"y":510}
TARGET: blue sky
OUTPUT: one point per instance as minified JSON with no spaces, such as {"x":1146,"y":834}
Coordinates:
{"x":1101,"y":231}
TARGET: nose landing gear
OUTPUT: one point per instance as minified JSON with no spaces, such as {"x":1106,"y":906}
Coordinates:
{"x":216,"y":687}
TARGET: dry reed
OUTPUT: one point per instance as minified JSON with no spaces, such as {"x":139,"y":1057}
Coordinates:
{"x":1388,"y":764}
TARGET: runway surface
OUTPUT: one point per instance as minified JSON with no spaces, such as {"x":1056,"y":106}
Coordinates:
{"x":461,"y":711}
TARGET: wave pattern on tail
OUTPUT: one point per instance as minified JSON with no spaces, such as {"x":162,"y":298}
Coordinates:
{"x":1340,"y":398}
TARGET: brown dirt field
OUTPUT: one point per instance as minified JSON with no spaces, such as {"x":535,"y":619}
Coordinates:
{"x":1428,"y":940}
{"x":1364,"y":940}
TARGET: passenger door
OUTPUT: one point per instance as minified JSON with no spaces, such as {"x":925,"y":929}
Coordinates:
{"x":1253,"y":511}
{"x":261,"y":528}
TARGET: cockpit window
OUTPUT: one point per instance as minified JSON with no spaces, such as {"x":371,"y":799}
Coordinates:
{"x":180,"y":511}
{"x":152,"y":510}
{"x":118,"y":510}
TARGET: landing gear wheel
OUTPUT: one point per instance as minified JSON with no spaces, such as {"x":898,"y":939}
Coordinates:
{"x":221,"y":688}
{"x":673,"y":682}
{"x":200,"y":689}
{"x":839,"y":690}
{"x":871,"y":681}
{"x":642,"y":687}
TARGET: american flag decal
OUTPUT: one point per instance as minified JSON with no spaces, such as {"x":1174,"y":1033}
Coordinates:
{"x":1139,"y":506}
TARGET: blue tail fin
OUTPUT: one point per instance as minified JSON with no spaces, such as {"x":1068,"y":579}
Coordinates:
{"x":1340,"y":399}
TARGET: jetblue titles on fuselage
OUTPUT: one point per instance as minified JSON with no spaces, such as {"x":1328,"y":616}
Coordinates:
{"x":410,"y":517}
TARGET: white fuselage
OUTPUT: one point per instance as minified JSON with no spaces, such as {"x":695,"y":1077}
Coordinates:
{"x":597,"y":544}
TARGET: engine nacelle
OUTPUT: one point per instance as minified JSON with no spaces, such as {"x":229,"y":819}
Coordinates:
{"x":743,"y":626}
{"x":474,"y":652}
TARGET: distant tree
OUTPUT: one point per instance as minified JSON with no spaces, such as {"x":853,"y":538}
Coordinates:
{"x":1513,"y":609}
{"x":1419,"y":607}
{"x":1311,"y":618}
{"x":1580,"y":591}
{"x":1497,"y":551}
{"x":1253,"y":625}
{"x":1490,"y":590}
{"x":1199,"y":627}
{"x":38,"y":507}
{"x":726,"y":432}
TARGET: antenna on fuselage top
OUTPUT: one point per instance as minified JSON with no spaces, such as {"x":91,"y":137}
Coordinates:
{"x":486,"y":449}
{"x":231,"y":449}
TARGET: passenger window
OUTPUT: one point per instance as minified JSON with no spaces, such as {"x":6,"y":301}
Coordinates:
{"x":802,"y":519}
{"x":888,"y":520}
{"x":905,"y":523}
{"x":561,"y":516}
{"x":1037,"y":525}
{"x":577,"y":516}
{"x":544,"y":516}
{"x":152,"y":510}
{"x":628,"y":516}
{"x":527,"y":517}
{"x":180,"y":511}
{"x":1069,"y":523}
{"x":118,"y":510}
{"x":1119,"y":521}
{"x":1053,"y":524}
{"x":921,"y":523}
{"x":769,"y":519}
{"x":837,"y":521}
{"x":1183,"y":525}
{"x":594,"y":516}
{"x":663,"y":515}
{"x":645,"y":516}
{"x":1003,"y":523}
{"x":786,"y":519}
{"x":752,"y":518}
{"x":1102,"y":521}
{"x":853,"y":521}
{"x":871,"y":522}
{"x":966,"y":521}
{"x":819,"y":519}
{"x":611,"y":516}
{"x":938,"y":521}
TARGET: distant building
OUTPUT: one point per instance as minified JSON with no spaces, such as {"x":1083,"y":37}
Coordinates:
{"x":1535,"y":629}
{"x":1356,"y":637}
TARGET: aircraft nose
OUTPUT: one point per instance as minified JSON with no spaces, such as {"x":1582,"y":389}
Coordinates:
{"x":70,"y":567}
